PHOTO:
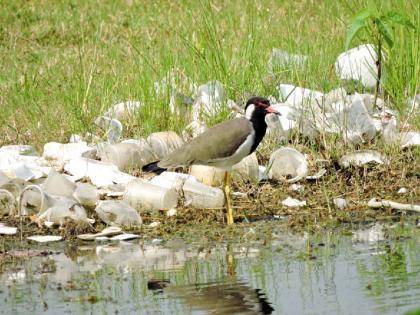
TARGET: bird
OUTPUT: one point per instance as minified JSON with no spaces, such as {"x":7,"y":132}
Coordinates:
{"x":222,"y":146}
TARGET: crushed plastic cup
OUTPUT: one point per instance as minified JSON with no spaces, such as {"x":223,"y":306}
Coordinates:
{"x":59,"y":153}
{"x":64,"y":211}
{"x":198,"y":195}
{"x":7,"y":202}
{"x":118,"y":213}
{"x":143,"y":195}
{"x":362,"y":157}
{"x":288,"y":164}
{"x":164,"y":143}
{"x":57,"y":184}
{"x":86,"y":194}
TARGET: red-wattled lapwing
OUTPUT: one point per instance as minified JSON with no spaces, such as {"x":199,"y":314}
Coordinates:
{"x":222,"y":146}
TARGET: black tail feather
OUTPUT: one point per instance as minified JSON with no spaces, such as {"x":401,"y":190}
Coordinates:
{"x":153,"y":167}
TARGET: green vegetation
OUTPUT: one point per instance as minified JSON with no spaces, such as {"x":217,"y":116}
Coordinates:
{"x":63,"y":63}
{"x":379,"y":27}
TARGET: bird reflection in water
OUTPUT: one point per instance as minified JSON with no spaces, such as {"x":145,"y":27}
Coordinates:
{"x":227,"y":296}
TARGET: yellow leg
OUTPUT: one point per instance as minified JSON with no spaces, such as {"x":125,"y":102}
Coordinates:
{"x":226,"y":190}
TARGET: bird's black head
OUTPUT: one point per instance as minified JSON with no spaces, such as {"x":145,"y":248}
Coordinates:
{"x":258,"y":106}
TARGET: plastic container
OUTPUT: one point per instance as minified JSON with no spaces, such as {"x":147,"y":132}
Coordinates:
{"x":64,"y":211}
{"x":118,"y":213}
{"x":126,"y":156}
{"x":207,"y":175}
{"x":164,"y":143}
{"x":57,"y":184}
{"x":33,"y":199}
{"x":198,"y":195}
{"x":87,"y":195}
{"x":247,"y":169}
{"x":143,"y":195}
{"x":287,"y":164}
{"x":7,"y":202}
{"x":171,"y":180}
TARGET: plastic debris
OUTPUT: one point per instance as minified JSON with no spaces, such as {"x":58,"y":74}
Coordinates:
{"x":373,"y":234}
{"x":7,"y":202}
{"x":75,"y":138}
{"x":293,"y":203}
{"x":296,"y":96}
{"x":16,"y":166}
{"x":207,"y":175}
{"x":112,"y":127}
{"x":7,"y":230}
{"x":57,"y":184}
{"x":202,"y":196}
{"x":288,"y":164}
{"x":59,"y":153}
{"x":340,"y":203}
{"x":297,"y":187}
{"x":86,"y":194}
{"x":360,"y":158}
{"x":126,"y":156}
{"x":100,"y":174}
{"x":124,"y":237}
{"x":19,"y":149}
{"x":375,"y":203}
{"x":262,"y":173}
{"x":118,"y":213}
{"x":247,"y":169}
{"x":154,"y":224}
{"x":359,"y":64}
{"x":64,"y":211}
{"x":171,"y":213}
{"x":171,"y":180}
{"x":164,"y":143}
{"x":317,"y":175}
{"x":143,"y":195}
{"x":280,"y":58}
{"x":108,"y":231}
{"x":179,"y":103}
{"x":45,"y":238}
{"x":123,"y":110}
{"x":209,"y":100}
{"x":402,"y":191}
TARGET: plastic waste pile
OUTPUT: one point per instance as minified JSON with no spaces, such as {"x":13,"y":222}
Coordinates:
{"x":73,"y":181}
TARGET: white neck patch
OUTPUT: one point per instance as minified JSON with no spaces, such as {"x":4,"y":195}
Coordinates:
{"x":249,"y":111}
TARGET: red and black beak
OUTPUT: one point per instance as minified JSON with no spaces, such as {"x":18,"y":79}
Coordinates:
{"x":271,"y":110}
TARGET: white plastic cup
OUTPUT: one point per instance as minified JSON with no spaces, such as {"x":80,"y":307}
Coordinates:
{"x":143,"y":195}
{"x":164,"y":143}
{"x":207,"y":175}
{"x":202,"y":196}
{"x":87,"y":195}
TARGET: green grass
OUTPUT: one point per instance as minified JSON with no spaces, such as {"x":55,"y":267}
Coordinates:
{"x":63,"y":63}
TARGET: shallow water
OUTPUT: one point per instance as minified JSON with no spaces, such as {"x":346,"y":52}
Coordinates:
{"x":373,"y":271}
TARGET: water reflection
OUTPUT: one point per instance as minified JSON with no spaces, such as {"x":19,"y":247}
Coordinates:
{"x":327,"y":273}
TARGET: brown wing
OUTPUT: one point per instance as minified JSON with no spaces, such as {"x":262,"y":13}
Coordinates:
{"x":217,"y":142}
